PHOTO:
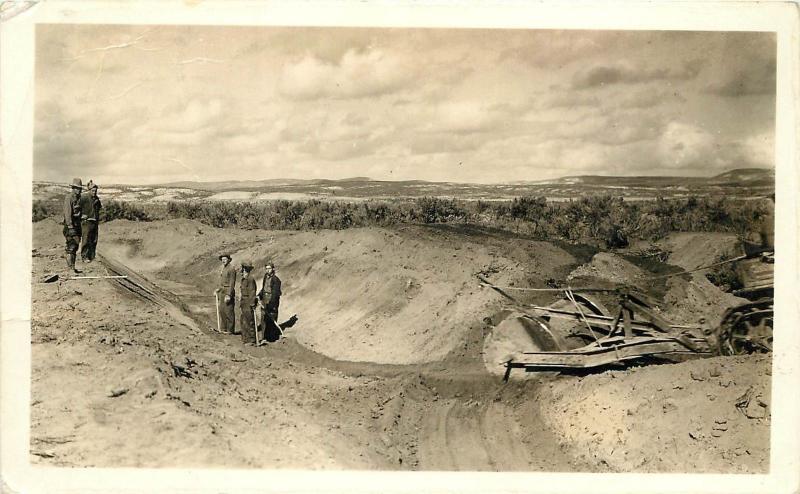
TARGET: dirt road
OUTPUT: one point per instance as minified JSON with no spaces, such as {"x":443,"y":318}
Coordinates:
{"x":383,"y":371}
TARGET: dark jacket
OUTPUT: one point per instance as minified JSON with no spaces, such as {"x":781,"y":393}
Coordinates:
{"x":90,"y":208}
{"x":227,"y":281}
{"x":248,"y":291}
{"x":71,"y":212}
{"x":270,"y":293}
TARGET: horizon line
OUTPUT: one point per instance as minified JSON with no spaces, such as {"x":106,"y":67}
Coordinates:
{"x":363,"y":178}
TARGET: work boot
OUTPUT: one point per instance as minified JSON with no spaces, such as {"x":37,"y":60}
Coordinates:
{"x":71,"y":262}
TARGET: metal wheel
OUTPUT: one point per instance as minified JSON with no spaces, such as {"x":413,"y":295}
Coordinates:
{"x":747,"y":329}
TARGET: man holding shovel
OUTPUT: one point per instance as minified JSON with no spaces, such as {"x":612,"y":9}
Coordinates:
{"x":247,"y":305}
{"x":270,"y":296}
{"x":224,"y":295}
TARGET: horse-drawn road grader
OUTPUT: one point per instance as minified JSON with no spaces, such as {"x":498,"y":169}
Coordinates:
{"x":635,"y":331}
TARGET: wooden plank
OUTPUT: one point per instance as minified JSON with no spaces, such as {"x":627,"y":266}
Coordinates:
{"x":114,"y":277}
{"x":609,"y":355}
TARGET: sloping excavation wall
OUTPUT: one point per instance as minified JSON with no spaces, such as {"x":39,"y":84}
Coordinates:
{"x":397,"y":296}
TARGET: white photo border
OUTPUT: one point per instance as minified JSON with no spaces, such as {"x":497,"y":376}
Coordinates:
{"x":17,"y":48}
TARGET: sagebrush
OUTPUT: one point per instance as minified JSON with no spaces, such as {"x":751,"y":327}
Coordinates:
{"x":606,"y":219}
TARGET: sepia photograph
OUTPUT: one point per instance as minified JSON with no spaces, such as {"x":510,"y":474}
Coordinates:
{"x":405,"y":249}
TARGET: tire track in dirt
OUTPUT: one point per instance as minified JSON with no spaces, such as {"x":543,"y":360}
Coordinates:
{"x":457,"y":434}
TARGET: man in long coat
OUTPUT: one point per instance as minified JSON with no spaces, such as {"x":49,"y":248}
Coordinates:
{"x":225,"y":292}
{"x":247,"y":304}
{"x":71,"y":217}
{"x":270,"y":296}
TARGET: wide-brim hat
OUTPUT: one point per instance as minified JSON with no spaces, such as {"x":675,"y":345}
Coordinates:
{"x":247,"y":265}
{"x":224,"y":255}
{"x":76,"y":182}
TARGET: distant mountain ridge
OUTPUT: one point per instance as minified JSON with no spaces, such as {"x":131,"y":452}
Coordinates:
{"x":748,"y":176}
{"x":742,"y":183}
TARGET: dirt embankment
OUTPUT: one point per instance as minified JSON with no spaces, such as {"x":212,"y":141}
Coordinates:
{"x":111,"y":372}
{"x":394,"y":296}
{"x":107,"y":364}
{"x":384,"y":369}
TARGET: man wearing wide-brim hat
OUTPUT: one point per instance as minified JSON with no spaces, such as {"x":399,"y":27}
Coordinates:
{"x":225,"y":293}
{"x":71,"y":217}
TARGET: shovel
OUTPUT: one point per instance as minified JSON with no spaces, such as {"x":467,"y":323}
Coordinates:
{"x":216,"y":305}
{"x":255,"y":326}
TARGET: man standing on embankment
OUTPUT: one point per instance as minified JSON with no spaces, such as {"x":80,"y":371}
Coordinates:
{"x":90,"y":219}
{"x":225,"y":293}
{"x":71,"y":215}
{"x":247,"y":304}
{"x":270,"y":296}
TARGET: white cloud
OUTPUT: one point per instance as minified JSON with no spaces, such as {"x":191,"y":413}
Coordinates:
{"x":760,"y":149}
{"x":683,"y":145}
{"x":243,"y":143}
{"x":195,"y":115}
{"x":466,"y":116}
{"x":358,"y":74}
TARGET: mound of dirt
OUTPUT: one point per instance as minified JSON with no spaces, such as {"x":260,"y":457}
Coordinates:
{"x":691,"y":298}
{"x":609,"y":267}
{"x":710,"y":415}
{"x":693,"y":250}
{"x":150,"y":247}
{"x":697,"y":301}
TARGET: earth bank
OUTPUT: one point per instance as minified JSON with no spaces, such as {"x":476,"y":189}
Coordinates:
{"x":384,"y":369}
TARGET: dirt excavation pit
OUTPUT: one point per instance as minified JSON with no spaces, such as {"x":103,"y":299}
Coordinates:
{"x":393,"y":364}
{"x":402,"y":296}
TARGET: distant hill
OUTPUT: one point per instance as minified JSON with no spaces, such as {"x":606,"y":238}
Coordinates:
{"x":743,"y":182}
{"x":237,"y":184}
{"x":741,"y":176}
{"x":738,"y":176}
{"x":745,"y":175}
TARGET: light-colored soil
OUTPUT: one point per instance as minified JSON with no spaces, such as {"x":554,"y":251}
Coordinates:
{"x":384,"y":369}
{"x":609,"y":267}
{"x":681,"y":417}
{"x":693,"y":298}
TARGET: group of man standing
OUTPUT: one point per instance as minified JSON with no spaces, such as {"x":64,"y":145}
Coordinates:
{"x":81,"y":215}
{"x":268,"y":297}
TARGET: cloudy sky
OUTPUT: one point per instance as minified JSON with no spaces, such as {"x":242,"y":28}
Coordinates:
{"x":145,"y":104}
